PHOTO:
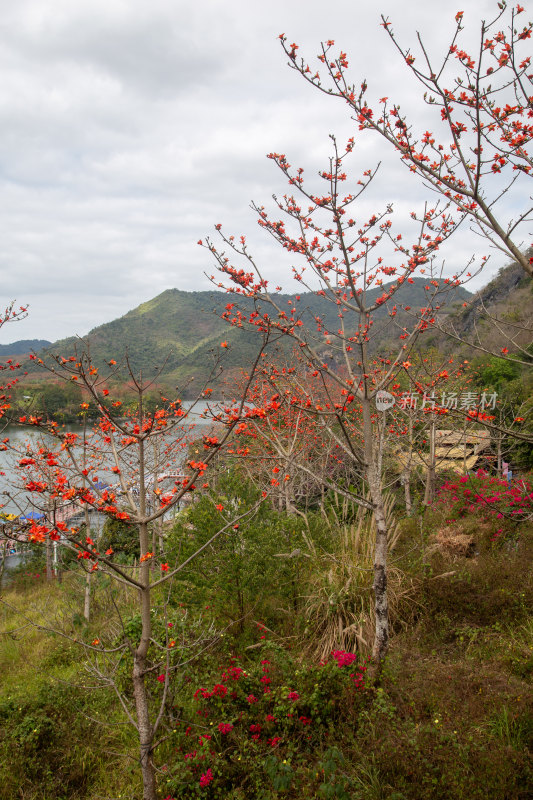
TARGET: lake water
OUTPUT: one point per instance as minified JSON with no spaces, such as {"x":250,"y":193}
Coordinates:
{"x":15,"y":500}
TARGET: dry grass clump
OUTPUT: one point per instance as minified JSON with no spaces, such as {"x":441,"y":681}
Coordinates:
{"x":452,"y":542}
{"x":339,"y":606}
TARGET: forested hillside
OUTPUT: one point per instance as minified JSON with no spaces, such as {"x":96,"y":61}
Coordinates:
{"x":180,"y":333}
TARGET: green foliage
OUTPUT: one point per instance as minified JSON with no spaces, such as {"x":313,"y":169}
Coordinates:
{"x":122,"y":537}
{"x":57,"y":400}
{"x":254,"y":569}
{"x":495,"y":373}
{"x":451,"y":719}
{"x":265,"y":720}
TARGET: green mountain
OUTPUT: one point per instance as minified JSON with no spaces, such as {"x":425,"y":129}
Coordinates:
{"x":179,"y":334}
{"x":22,"y":347}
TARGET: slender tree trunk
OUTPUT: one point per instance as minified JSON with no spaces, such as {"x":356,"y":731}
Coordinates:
{"x":88,"y":576}
{"x":49,"y":568}
{"x":407,"y":491}
{"x":87,"y":597}
{"x":407,"y":471}
{"x":144,"y":723}
{"x":381,"y":605}
{"x":430,"y":480}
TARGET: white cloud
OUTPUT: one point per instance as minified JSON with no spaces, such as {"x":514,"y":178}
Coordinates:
{"x":127,"y":129}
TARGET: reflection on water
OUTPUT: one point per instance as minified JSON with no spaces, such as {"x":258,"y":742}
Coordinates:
{"x":19,"y":437}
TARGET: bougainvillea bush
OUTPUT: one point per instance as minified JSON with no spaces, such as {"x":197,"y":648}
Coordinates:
{"x":496,"y":507}
{"x":255,"y":727}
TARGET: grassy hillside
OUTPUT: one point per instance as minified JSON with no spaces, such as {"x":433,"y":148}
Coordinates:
{"x":180,"y":332}
{"x":450,"y":719}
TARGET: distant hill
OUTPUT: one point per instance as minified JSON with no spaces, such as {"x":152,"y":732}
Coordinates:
{"x":499,"y":314}
{"x":180,"y":332}
{"x":23,"y":346}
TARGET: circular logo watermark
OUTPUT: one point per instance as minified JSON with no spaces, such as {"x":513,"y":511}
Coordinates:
{"x":384,"y":400}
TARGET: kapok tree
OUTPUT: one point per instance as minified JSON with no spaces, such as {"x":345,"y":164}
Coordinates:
{"x":289,"y":449}
{"x":436,"y":390}
{"x":345,"y":259}
{"x":477,"y":152}
{"x":9,"y":367}
{"x":133,"y":466}
{"x":11,"y":376}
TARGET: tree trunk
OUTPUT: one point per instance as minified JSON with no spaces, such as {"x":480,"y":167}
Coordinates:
{"x":430,"y":480}
{"x":407,"y":491}
{"x":407,"y":470}
{"x":144,"y":724}
{"x":87,"y":594}
{"x":49,"y":568}
{"x":381,"y":605}
{"x":87,"y":597}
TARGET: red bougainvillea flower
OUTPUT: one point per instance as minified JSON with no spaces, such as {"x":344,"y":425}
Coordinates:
{"x":343,"y":658}
{"x":225,"y":727}
{"x":206,"y":778}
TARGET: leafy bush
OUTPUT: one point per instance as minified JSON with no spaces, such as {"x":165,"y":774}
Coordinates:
{"x":489,"y":499}
{"x":256,"y":727}
{"x":255,"y":568}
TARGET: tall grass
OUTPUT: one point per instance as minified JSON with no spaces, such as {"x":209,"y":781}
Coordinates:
{"x":339,"y":602}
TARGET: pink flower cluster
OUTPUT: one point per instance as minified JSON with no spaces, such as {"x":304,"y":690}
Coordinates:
{"x":206,"y":778}
{"x":218,"y":691}
{"x":225,"y":727}
{"x":487,"y":496}
{"x":343,"y":658}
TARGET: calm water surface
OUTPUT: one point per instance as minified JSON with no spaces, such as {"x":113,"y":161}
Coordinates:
{"x":19,"y":437}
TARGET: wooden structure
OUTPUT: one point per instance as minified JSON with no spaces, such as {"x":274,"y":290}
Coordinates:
{"x":459,"y":451}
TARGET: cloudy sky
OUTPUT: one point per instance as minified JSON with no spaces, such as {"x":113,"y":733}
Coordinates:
{"x":129,"y":128}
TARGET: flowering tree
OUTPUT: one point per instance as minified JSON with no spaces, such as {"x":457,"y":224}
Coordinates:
{"x":479,"y":151}
{"x":10,"y":369}
{"x":132,"y":466}
{"x":10,"y":314}
{"x":290,"y":449}
{"x":345,"y":259}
